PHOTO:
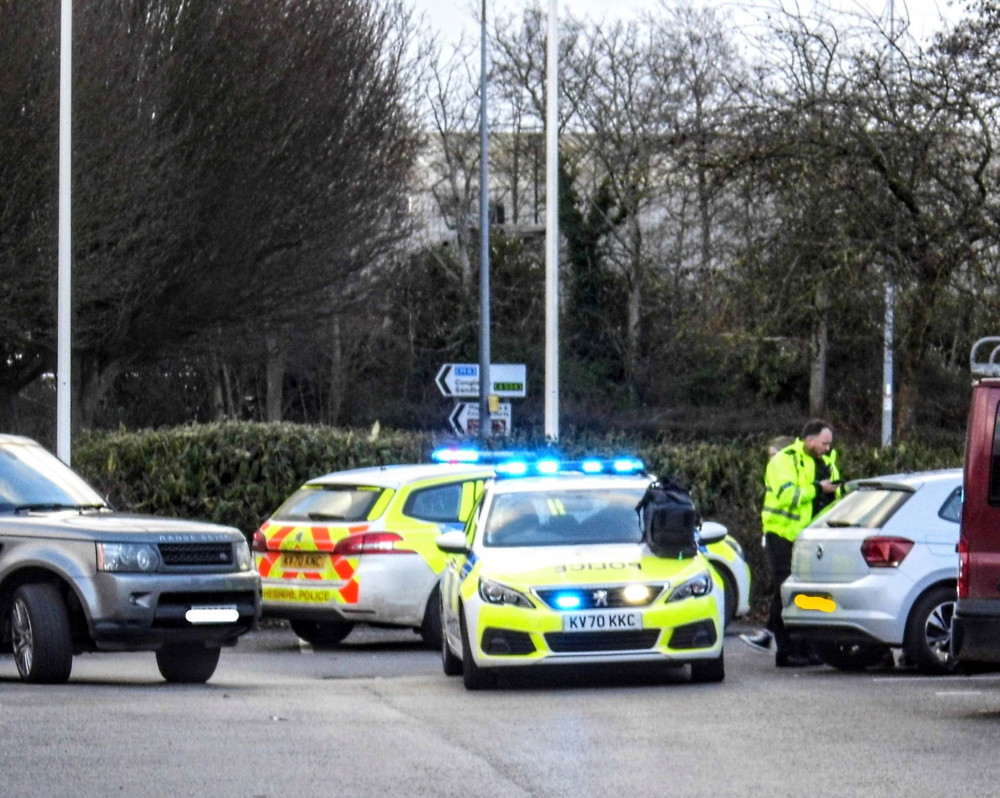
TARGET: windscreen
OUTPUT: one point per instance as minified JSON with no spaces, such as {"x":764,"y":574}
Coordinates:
{"x":867,"y":508}
{"x":31,"y":477}
{"x":329,"y":503}
{"x":564,"y":518}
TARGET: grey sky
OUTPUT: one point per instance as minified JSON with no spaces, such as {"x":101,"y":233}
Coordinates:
{"x":451,"y":17}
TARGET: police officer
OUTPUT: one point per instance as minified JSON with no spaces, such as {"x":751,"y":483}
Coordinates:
{"x":800,"y":481}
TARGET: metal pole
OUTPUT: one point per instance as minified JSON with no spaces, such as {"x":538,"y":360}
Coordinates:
{"x":552,"y":227}
{"x":64,"y":402}
{"x":887,"y":363}
{"x":890,"y":288}
{"x":485,"y":383}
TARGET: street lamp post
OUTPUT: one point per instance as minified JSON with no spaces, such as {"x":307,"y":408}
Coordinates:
{"x":552,"y":227}
{"x":64,"y":402}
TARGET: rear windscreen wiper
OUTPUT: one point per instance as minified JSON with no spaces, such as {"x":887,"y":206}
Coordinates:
{"x":325,"y":517}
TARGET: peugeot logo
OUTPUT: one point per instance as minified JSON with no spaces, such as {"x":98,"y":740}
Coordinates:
{"x":819,"y":552}
{"x":600,"y":598}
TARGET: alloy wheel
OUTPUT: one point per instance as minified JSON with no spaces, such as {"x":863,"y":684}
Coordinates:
{"x":937,"y":631}
{"x":21,"y":636}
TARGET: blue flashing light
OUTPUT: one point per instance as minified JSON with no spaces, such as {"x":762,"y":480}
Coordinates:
{"x":628,"y":465}
{"x":453,"y":455}
{"x":513,"y":468}
{"x":547,"y":466}
{"x":567,"y":601}
{"x":592,"y":466}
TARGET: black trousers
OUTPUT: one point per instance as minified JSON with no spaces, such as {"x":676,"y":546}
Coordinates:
{"x":779,"y":558}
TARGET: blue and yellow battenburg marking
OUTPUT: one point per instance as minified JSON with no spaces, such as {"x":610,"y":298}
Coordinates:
{"x":524,"y":464}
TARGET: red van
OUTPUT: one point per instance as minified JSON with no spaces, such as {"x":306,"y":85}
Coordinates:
{"x":976,"y":622}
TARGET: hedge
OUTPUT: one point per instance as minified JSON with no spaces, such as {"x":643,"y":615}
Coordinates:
{"x":238,"y":473}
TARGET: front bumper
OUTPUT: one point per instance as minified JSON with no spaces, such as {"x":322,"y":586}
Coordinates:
{"x":672,"y":633}
{"x":868,"y":609}
{"x":139,"y":612}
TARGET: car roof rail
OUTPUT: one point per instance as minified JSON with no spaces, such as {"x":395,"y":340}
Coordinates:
{"x":988,"y":351}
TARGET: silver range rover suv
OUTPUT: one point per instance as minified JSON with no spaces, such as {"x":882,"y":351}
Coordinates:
{"x":75,"y":576}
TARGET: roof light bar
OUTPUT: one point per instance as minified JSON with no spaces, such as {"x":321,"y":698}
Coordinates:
{"x":520,"y":464}
{"x":548,"y":466}
{"x":455,"y":455}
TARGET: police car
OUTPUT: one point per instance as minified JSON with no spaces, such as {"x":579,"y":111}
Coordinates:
{"x":552,"y":569}
{"x":359,"y":546}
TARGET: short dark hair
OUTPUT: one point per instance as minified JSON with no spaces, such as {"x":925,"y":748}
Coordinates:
{"x":815,"y":426}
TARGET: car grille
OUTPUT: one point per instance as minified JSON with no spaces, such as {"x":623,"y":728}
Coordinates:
{"x":596,"y":597}
{"x":582,"y":642}
{"x":195,"y":554}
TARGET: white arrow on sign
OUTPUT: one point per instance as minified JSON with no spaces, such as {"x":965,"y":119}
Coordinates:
{"x":464,"y":419}
{"x":461,"y":380}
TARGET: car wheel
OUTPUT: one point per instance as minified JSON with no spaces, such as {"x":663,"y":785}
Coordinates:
{"x":850,"y":656}
{"x":190,"y":663}
{"x":928,"y":631}
{"x":451,"y":664}
{"x":322,"y":634}
{"x":473,"y":677}
{"x":729,"y":589}
{"x":709,"y":670}
{"x":430,"y":629}
{"x":41,"y":634}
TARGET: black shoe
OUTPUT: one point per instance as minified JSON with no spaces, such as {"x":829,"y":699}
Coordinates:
{"x":790,"y":661}
{"x":759,"y":640}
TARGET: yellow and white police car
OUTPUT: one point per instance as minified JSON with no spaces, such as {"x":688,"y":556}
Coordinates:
{"x":359,"y":546}
{"x":552,"y":569}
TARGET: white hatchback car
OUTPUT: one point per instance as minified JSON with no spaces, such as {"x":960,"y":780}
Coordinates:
{"x":878,"y":571}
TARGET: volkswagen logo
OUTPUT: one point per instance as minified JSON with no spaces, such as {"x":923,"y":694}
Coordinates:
{"x":819,"y":552}
{"x":600,"y":598}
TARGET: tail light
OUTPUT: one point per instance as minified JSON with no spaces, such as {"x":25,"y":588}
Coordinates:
{"x":885,"y":552}
{"x":370,"y":543}
{"x":963,"y":567}
{"x":259,"y":541}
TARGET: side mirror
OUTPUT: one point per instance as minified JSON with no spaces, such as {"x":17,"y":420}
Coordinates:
{"x":452,"y":542}
{"x":712,"y":532}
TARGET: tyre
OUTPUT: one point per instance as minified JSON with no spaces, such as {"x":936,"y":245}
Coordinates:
{"x":430,"y":629}
{"x":850,"y":656}
{"x":41,"y":634}
{"x":729,"y":589}
{"x":473,"y":677}
{"x":189,"y":663}
{"x":322,"y":634}
{"x":451,"y":664}
{"x":928,"y":631}
{"x":708,"y":670}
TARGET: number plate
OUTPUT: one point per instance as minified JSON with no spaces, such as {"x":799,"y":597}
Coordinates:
{"x":304,"y":562}
{"x":820,"y":603}
{"x":224,"y":614}
{"x":601,"y":621}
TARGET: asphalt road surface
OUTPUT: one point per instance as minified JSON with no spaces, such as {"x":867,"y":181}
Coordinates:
{"x":376,"y":717}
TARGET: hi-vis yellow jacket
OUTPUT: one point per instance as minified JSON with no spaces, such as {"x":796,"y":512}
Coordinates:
{"x":790,"y":487}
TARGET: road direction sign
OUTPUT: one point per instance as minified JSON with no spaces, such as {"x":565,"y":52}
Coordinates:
{"x":464,"y":419}
{"x":461,"y":380}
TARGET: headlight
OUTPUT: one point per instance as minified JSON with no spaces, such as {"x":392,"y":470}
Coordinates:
{"x":244,"y":560}
{"x":734,"y":544}
{"x":495,"y":593}
{"x":700,"y":585}
{"x":127,"y":557}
